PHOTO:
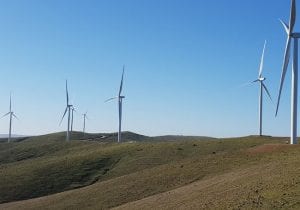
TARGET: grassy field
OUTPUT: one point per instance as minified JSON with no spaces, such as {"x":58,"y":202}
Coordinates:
{"x":48,"y":173}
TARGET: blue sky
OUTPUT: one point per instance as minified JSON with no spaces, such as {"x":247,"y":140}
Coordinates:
{"x":185,"y":62}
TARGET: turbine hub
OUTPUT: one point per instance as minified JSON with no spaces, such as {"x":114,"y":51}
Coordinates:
{"x":262,"y":79}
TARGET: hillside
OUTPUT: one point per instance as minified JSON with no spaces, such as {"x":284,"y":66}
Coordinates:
{"x":223,"y":173}
{"x":270,"y":185}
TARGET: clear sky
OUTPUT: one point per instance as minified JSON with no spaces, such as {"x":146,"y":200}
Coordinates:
{"x":185,"y":63}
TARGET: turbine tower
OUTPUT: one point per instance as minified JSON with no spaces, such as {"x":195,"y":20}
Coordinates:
{"x":68,"y":109}
{"x":120,"y":100}
{"x":72,"y":117}
{"x":11,"y":115}
{"x":294,"y":86}
{"x":263,"y":88}
{"x":84,"y":119}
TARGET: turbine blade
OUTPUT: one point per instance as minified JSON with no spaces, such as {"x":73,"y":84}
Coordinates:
{"x":267,"y":91}
{"x":284,"y":69}
{"x":15,"y":116}
{"x":293,"y":16}
{"x":10,"y":102}
{"x":5,"y":114}
{"x":255,"y":81}
{"x":262,"y":61}
{"x":245,"y":84}
{"x":67,"y":93}
{"x":63,"y":115}
{"x":121,"y":85}
{"x":286,"y":27}
{"x":110,"y":99}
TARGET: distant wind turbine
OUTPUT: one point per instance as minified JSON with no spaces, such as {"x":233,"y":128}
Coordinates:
{"x":294,"y":86}
{"x":263,"y":87}
{"x":120,"y":99}
{"x":11,"y":115}
{"x":85,"y":117}
{"x":68,"y":109}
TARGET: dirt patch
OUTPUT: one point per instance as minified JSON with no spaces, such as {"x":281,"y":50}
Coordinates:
{"x":268,"y":148}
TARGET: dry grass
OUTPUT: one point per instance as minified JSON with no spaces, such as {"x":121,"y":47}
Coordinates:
{"x":274,"y":185}
{"x":231,"y":173}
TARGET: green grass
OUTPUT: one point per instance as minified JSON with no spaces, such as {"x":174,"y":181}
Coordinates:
{"x":109,"y":174}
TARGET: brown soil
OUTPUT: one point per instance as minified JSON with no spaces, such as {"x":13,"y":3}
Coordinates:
{"x":268,"y":148}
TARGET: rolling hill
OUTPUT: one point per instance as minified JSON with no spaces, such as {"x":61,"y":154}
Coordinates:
{"x":93,"y":172}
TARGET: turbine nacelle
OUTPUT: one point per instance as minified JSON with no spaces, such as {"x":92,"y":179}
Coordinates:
{"x":260,"y":79}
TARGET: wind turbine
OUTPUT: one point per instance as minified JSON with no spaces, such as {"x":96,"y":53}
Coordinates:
{"x":263,"y":87}
{"x":84,"y":118}
{"x":120,"y":99}
{"x":68,"y":109}
{"x":11,"y":115}
{"x":294,"y":87}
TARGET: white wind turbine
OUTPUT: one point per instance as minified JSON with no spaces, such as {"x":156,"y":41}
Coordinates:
{"x":68,"y":109}
{"x":294,"y":87}
{"x":263,"y":87}
{"x":85,"y":117}
{"x":120,"y":99}
{"x":11,"y":115}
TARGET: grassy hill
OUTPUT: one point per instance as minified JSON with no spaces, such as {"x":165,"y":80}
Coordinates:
{"x":149,"y":172}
